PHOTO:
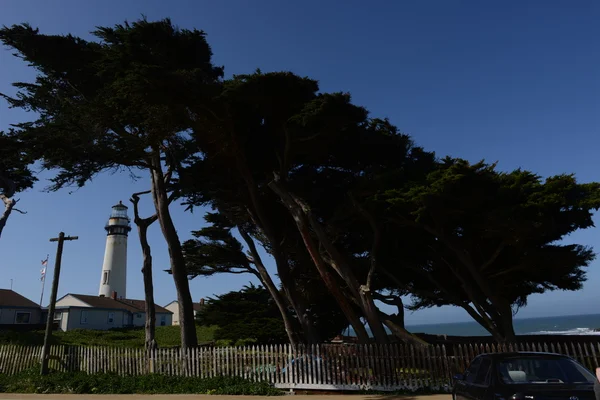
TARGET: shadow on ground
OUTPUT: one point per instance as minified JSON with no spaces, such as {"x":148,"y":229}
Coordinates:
{"x":407,"y":397}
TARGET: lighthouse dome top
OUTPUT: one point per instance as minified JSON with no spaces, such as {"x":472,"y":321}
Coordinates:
{"x":120,"y":205}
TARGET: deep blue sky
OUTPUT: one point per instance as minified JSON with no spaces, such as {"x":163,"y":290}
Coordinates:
{"x":514,"y":81}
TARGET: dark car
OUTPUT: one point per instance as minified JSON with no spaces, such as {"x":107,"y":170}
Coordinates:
{"x":524,"y":376}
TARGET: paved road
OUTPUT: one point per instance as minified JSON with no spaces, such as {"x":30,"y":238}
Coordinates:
{"x":4,"y":396}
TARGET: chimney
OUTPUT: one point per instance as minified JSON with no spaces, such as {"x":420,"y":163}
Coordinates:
{"x":202,"y":301}
{"x":113,"y":295}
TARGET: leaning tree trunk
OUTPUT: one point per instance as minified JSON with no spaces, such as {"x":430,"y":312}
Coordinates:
{"x":310,"y":333}
{"x":8,"y":207}
{"x":294,"y":297}
{"x":178,"y":269}
{"x":8,"y":200}
{"x":361,"y":293}
{"x":328,"y":279}
{"x":506,"y":323}
{"x":150,"y":325}
{"x":259,"y":216}
{"x":142,"y":225}
{"x":501,"y":310}
{"x":266,"y":280}
{"x":333,"y":286}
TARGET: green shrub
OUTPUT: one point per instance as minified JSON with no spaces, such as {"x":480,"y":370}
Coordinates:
{"x":80,"y":383}
{"x":239,"y":342}
{"x":245,"y":342}
{"x":166,"y":336}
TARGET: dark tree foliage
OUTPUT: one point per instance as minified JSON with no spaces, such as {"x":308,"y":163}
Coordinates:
{"x":485,"y":240}
{"x":249,"y":313}
{"x":273,"y":137}
{"x":214,"y":250}
{"x":15,"y":173}
{"x":123,"y":102}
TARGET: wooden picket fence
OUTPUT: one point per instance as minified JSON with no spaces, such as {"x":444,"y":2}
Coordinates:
{"x":323,"y":367}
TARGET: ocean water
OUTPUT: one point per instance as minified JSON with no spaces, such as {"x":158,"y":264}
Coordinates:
{"x":563,"y":325}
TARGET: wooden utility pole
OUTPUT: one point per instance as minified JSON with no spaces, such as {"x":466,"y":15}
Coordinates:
{"x":46,"y":349}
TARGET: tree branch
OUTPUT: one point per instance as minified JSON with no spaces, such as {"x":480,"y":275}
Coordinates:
{"x":494,"y":256}
{"x":172,"y":196}
{"x":508,"y":271}
{"x":8,"y":187}
{"x":465,"y":259}
{"x":6,"y":200}
{"x":376,"y":241}
{"x":390,"y":300}
{"x":285,"y":163}
{"x":168,"y":175}
{"x":337,"y":261}
{"x":401,"y":332}
{"x":213,"y":271}
{"x":144,"y":222}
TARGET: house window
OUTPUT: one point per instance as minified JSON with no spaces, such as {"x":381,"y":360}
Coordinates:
{"x":111,"y":318}
{"x":84,"y":317}
{"x":138,"y":315}
{"x":57,"y":316}
{"x":105,"y":275}
{"x":163,"y":320}
{"x":22,"y":317}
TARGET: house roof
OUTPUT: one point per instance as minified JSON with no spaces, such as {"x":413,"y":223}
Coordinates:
{"x":197,"y":306}
{"x":141,"y":305}
{"x":9,"y":298}
{"x":130,"y":305}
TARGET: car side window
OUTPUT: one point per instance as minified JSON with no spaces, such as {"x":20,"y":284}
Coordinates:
{"x":483,"y":372}
{"x":472,"y":371}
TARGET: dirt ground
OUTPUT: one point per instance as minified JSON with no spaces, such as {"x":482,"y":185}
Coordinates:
{"x":4,"y":396}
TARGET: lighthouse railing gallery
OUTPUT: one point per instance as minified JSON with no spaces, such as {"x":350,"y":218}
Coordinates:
{"x":324,"y":366}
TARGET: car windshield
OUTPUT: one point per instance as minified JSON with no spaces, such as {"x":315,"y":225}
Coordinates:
{"x":549,"y":370}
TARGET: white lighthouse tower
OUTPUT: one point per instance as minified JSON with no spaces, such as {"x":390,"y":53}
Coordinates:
{"x":114,"y":268}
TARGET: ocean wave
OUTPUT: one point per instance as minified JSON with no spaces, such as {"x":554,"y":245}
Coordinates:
{"x":575,"y":331}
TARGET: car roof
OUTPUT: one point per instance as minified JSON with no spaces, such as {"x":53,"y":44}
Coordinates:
{"x":500,"y":356}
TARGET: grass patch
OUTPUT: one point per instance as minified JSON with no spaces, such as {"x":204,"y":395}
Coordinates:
{"x":80,"y":383}
{"x":166,"y":336}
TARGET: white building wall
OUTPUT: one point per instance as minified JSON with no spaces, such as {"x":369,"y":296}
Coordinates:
{"x":96,"y":319}
{"x":63,"y":318}
{"x":115,"y":264}
{"x":139,"y":319}
{"x":174,"y":308}
{"x":7,"y":315}
{"x":166,"y":317}
{"x":64,"y":321}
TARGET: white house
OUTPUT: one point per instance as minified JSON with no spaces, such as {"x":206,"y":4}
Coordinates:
{"x":18,"y":310}
{"x":79,"y":311}
{"x":174,"y":308}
